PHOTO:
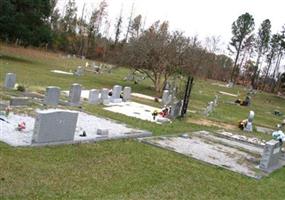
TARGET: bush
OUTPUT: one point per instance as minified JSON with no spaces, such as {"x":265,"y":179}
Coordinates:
{"x":21,"y":88}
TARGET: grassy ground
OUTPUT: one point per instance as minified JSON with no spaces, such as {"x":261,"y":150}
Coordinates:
{"x":127,"y":169}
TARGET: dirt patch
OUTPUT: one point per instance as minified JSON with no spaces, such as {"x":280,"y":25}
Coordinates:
{"x":206,"y":122}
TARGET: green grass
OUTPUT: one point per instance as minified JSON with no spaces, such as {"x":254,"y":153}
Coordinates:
{"x":126,"y":169}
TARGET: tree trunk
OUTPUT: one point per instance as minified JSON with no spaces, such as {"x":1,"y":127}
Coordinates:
{"x":235,"y":64}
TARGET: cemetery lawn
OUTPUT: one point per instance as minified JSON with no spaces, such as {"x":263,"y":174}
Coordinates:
{"x":127,"y":169}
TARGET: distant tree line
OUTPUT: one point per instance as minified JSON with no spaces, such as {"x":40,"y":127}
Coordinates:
{"x":155,"y":50}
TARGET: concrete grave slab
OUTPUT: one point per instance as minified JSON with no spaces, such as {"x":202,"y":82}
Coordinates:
{"x":86,"y":122}
{"x":233,"y":155}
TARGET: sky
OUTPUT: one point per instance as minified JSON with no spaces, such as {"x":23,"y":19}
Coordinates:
{"x":204,"y":18}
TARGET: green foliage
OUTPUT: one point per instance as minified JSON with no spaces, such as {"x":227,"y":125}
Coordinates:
{"x":25,"y":21}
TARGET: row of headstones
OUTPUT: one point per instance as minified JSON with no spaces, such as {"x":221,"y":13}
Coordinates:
{"x":211,"y":106}
{"x":95,"y":96}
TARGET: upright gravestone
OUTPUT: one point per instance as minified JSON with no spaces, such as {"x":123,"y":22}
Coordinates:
{"x":75,"y":94}
{"x":105,"y":96}
{"x":271,"y":155}
{"x":94,"y":96}
{"x":165,"y":97}
{"x":216,"y":100}
{"x":52,"y":96}
{"x":209,"y":108}
{"x":176,"y":109}
{"x":116,"y":93}
{"x":127,"y":93}
{"x":249,"y":125}
{"x":79,"y":71}
{"x":54,"y":126}
{"x":10,"y":80}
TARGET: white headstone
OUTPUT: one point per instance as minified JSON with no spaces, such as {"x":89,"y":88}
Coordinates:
{"x":116,"y":93}
{"x":127,"y":93}
{"x":105,"y":96}
{"x":249,"y":125}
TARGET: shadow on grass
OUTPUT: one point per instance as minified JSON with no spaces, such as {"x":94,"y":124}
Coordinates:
{"x":15,"y":59}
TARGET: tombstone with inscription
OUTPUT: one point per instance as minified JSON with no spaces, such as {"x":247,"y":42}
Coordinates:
{"x":94,"y":96}
{"x":271,"y":156}
{"x":54,"y":126}
{"x":52,"y":96}
{"x":75,"y":95}
{"x":10,"y":80}
{"x":249,"y":125}
{"x":127,"y":93}
{"x":116,"y":94}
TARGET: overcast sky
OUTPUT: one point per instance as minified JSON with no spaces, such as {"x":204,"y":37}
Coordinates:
{"x":196,"y":17}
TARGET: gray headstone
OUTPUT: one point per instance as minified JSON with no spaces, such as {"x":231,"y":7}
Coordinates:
{"x":94,"y":96}
{"x":176,"y":109}
{"x":116,"y":93}
{"x":74,"y":95}
{"x":52,"y":96}
{"x":105,"y":96}
{"x":79,"y":71}
{"x":165,"y":97}
{"x":54,"y":126}
{"x":10,"y":80}
{"x":271,"y":155}
{"x":127,"y":93}
{"x":19,"y":101}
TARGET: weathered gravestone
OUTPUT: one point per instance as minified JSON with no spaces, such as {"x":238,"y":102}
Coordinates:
{"x":271,"y":156}
{"x":54,"y":126}
{"x":165,"y":97}
{"x":52,"y":96}
{"x":209,"y":108}
{"x":19,"y":101}
{"x":94,"y":96}
{"x":216,"y":100}
{"x":127,"y":93}
{"x":116,"y":93}
{"x":176,"y":109}
{"x":249,"y":125}
{"x":10,"y":80}
{"x":75,"y":94}
{"x":105,"y":96}
{"x":79,"y":71}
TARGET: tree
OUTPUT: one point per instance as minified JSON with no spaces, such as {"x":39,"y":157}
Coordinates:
{"x":118,"y":28}
{"x":156,"y":53}
{"x":136,"y":26}
{"x":261,"y":46}
{"x":25,"y":22}
{"x":241,"y":29}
